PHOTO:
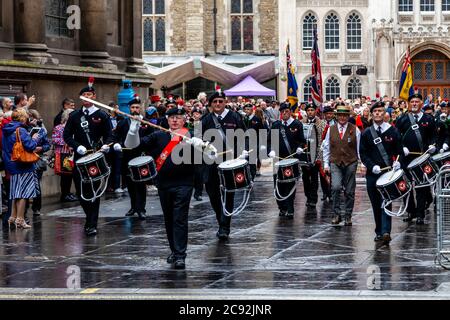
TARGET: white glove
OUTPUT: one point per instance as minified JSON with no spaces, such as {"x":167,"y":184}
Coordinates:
{"x":244,"y":155}
{"x":134,"y":126}
{"x":196,"y":143}
{"x":445,"y":147}
{"x":117,"y":147}
{"x":300,"y":151}
{"x":263,"y":148}
{"x":396,"y":165}
{"x":81,"y":150}
{"x":406,"y":151}
{"x":272,"y":154}
{"x":211,"y":151}
{"x":376,"y":170}
{"x":431,"y":149}
{"x":105,"y":149}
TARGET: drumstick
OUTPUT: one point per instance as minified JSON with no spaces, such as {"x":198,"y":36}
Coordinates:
{"x":109,"y":145}
{"x":393,"y":171}
{"x":290,"y":156}
{"x":416,"y":153}
{"x":387,"y":168}
{"x":225,"y":152}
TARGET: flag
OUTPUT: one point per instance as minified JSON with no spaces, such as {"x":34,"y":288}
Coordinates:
{"x":406,"y":80}
{"x":316,"y":82}
{"x":292,"y":87}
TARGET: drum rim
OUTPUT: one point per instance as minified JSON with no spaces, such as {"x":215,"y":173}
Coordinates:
{"x":149,"y":159}
{"x":441,"y":156}
{"x":287,"y":162}
{"x":389,"y":174}
{"x":242,"y":163}
{"x":415,"y":162}
{"x":91,"y":157}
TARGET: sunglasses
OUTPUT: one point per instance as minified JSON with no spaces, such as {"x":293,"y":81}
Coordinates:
{"x":218,"y":101}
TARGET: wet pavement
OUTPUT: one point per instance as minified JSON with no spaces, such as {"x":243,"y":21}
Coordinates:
{"x":264,"y":252}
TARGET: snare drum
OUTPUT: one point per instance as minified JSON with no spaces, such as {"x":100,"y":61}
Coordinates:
{"x":312,"y":141}
{"x":423,"y":170}
{"x":93,"y":167}
{"x":287,"y":170}
{"x":393,"y":185}
{"x":142,"y":169}
{"x":441,"y":160}
{"x":235,"y":174}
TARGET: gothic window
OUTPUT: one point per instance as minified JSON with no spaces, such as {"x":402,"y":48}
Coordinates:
{"x":307,"y":90}
{"x":154,"y":25}
{"x":309,"y":23}
{"x":332,"y":32}
{"x":426,"y":5}
{"x":354,"y":89}
{"x":241,"y":25}
{"x":332,"y":89}
{"x":405,"y":5}
{"x":354,"y":32}
{"x":56,"y":18}
{"x":445,"y":5}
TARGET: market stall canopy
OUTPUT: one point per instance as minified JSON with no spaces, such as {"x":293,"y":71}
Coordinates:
{"x":249,"y":87}
{"x":171,"y":73}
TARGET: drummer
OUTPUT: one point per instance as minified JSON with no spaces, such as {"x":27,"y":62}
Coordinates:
{"x":291,"y":143}
{"x":175,"y":182}
{"x":88,"y":128}
{"x":379,"y":147}
{"x":136,"y":190}
{"x":443,"y":132}
{"x":417,"y":141}
{"x":311,"y":173}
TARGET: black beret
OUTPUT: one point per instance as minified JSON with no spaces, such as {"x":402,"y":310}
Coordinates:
{"x":378,"y":104}
{"x":285,"y":106}
{"x":196,"y":110}
{"x":415,"y":95}
{"x":90,"y":87}
{"x":310,"y":106}
{"x":443,"y":104}
{"x":248,"y":105}
{"x":327,"y":109}
{"x":175,"y":112}
{"x":170,"y":101}
{"x":136,"y":100}
{"x":217,"y":94}
{"x":428,"y":107}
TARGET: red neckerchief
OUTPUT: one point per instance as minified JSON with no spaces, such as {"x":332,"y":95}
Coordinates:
{"x":169,"y":148}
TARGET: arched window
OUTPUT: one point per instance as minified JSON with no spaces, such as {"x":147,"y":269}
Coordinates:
{"x":445,"y":5}
{"x":427,"y":5}
{"x":354,"y":89}
{"x":154,"y":25}
{"x":307,"y":90}
{"x":56,"y":18}
{"x":241,"y":25}
{"x":354,"y":32}
{"x":309,"y":23}
{"x":405,"y":5}
{"x":332,"y":32}
{"x":332,"y":89}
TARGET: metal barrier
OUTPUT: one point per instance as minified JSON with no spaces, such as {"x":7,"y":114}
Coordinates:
{"x":443,"y":217}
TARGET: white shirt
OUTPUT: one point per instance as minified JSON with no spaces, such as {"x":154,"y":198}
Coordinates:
{"x":289,"y":122}
{"x":420,"y":114}
{"x":326,"y":143}
{"x":384,"y":127}
{"x":223,"y":115}
{"x":91,"y":109}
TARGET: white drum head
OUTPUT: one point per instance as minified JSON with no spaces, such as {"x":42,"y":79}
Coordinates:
{"x":419,"y":160}
{"x":90,"y":158}
{"x":140,"y":161}
{"x":389,"y":177}
{"x":440,"y":156}
{"x":233,"y":164}
{"x":287,"y":163}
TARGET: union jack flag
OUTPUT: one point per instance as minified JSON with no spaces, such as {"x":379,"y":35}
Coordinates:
{"x":316,"y":79}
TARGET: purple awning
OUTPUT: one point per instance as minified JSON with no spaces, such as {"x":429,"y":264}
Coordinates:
{"x":249,"y":87}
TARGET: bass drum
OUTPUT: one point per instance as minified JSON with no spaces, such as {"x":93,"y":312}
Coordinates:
{"x":309,"y":157}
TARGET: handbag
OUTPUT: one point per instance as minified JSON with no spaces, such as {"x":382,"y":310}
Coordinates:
{"x":63,"y":163}
{"x":19,"y":153}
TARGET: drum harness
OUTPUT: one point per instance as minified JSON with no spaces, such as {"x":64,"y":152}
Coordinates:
{"x":104,"y":184}
{"x":276,"y":192}
{"x":223,"y":190}
{"x":379,"y":144}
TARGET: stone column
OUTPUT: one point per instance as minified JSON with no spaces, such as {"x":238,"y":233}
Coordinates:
{"x":29,"y":32}
{"x":93,"y":35}
{"x":133,"y":16}
{"x":194,"y":27}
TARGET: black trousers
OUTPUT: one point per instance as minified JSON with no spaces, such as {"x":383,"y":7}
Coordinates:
{"x":284,"y":189}
{"x":90,"y":208}
{"x":311,"y":183}
{"x":66,"y":185}
{"x":416,"y":209}
{"x":213,"y":189}
{"x":175,"y":205}
{"x":138,"y":195}
{"x":383,"y":222}
{"x":199,"y":179}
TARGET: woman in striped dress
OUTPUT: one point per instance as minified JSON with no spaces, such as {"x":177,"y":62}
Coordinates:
{"x":24,"y":181}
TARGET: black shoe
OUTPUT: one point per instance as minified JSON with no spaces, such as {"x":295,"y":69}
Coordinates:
{"x":142,"y":216}
{"x":290,"y":215}
{"x":222,"y":235}
{"x":336,"y":220}
{"x":91,"y":232}
{"x":198,"y":198}
{"x":408,"y":219}
{"x":69,"y":198}
{"x":36,"y":213}
{"x":386,"y":238}
{"x":348,"y":221}
{"x":180,"y":264}
{"x":73,"y":197}
{"x":324,"y":198}
{"x":130,"y":213}
{"x":171,"y":258}
{"x":378,"y":238}
{"x":420,"y":221}
{"x":310,"y":205}
{"x":282,"y":213}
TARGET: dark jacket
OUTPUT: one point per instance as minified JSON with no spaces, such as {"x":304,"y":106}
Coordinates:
{"x":9,"y":138}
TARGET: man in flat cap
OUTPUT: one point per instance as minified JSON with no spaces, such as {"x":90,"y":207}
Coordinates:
{"x":340,"y":156}
{"x":418,"y":131}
